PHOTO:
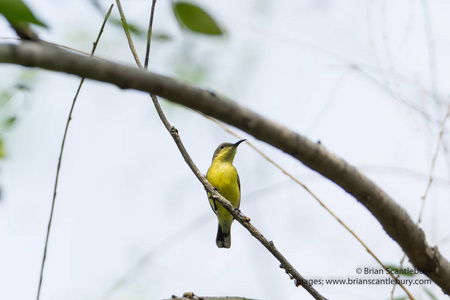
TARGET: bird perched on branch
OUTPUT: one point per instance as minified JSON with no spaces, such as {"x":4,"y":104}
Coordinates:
{"x":224,"y":177}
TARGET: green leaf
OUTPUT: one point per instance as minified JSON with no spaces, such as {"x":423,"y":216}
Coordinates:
{"x":16,"y":12}
{"x":10,"y":121}
{"x":160,"y":36}
{"x":195,"y":18}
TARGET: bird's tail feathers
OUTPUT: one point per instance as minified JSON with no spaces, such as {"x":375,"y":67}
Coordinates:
{"x":223,"y":239}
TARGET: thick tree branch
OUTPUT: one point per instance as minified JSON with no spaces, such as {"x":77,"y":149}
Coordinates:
{"x":393,"y":218}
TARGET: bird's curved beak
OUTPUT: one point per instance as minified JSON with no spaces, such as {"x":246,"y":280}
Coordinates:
{"x":237,"y":144}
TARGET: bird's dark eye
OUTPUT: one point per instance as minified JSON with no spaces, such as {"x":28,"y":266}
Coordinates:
{"x":223,"y":146}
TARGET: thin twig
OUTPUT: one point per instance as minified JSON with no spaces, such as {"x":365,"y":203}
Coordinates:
{"x":388,"y":52}
{"x":433,"y":67}
{"x":329,"y":99}
{"x":60,"y":157}
{"x":385,"y":88}
{"x":433,"y":163}
{"x":373,"y":44}
{"x":149,"y":35}
{"x":434,"y":78}
{"x":284,"y":263}
{"x":127,"y":33}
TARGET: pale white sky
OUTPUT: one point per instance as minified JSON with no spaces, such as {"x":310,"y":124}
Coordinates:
{"x":125,"y":191}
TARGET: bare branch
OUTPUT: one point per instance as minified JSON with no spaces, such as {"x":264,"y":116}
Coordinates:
{"x":207,"y":298}
{"x":60,"y":157}
{"x":393,"y":218}
{"x":127,"y":32}
{"x":195,"y":297}
{"x":433,"y":163}
{"x":149,"y":34}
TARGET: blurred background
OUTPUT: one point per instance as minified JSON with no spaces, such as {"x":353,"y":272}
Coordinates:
{"x":368,"y":79}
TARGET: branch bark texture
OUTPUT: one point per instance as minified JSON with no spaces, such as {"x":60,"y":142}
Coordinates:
{"x":391,"y":216}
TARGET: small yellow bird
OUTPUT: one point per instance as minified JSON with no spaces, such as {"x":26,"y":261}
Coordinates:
{"x":224,"y":177}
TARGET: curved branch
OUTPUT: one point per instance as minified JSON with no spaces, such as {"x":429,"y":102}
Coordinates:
{"x":393,"y":218}
{"x":299,"y":280}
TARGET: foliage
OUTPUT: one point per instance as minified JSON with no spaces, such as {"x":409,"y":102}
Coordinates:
{"x":10,"y":105}
{"x":194,"y":18}
{"x":17,"y":12}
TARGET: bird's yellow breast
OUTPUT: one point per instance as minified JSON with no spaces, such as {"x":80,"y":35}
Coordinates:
{"x":224,"y":177}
